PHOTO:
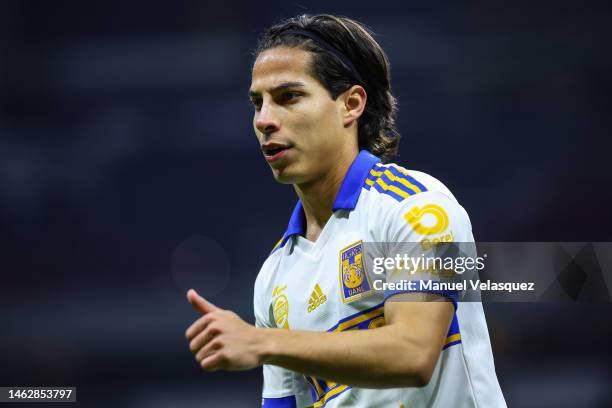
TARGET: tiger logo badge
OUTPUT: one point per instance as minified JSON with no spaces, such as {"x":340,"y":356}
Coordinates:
{"x":353,"y":276}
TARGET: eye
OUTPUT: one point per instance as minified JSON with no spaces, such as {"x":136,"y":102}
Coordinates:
{"x":287,"y":97}
{"x":256,"y":104}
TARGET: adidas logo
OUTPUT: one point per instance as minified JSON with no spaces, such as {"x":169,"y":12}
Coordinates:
{"x":317,"y":298}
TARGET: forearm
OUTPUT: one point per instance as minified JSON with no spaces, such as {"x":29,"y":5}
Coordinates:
{"x":382,"y":358}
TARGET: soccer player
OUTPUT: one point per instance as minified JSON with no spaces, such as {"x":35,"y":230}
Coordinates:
{"x":324,"y":118}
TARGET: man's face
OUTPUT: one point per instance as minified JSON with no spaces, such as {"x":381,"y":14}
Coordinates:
{"x":298,"y":125}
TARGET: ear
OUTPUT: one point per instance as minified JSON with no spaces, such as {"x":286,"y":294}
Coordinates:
{"x":354,"y":103}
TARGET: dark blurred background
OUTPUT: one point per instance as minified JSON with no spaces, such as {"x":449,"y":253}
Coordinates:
{"x":129,"y":172}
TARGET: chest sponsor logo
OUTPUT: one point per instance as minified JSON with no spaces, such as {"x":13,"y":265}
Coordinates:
{"x":317,"y":298}
{"x":353,"y":277}
{"x":280,"y":307}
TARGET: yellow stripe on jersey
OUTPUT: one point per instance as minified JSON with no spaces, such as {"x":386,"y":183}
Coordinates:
{"x":315,"y":383}
{"x":393,"y":177}
{"x":452,"y":338}
{"x":330,"y":394}
{"x":402,"y":180}
{"x":334,"y":389}
{"x":396,"y":190}
{"x":360,"y":318}
{"x":277,"y":244}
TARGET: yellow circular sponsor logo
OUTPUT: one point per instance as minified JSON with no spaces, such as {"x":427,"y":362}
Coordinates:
{"x":435,"y":224}
{"x":353,"y":276}
{"x":281,"y":311}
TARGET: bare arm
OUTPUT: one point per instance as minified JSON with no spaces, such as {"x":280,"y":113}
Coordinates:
{"x":402,"y":353}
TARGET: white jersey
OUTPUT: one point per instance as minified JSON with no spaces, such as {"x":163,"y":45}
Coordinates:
{"x":327,"y":286}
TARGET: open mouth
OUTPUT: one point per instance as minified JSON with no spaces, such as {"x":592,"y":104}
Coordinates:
{"x":274,"y":150}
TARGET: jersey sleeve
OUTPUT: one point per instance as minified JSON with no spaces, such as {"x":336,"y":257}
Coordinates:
{"x":430,"y":228}
{"x":282,"y":388}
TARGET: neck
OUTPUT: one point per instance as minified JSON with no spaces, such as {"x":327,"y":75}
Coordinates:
{"x":318,"y":196}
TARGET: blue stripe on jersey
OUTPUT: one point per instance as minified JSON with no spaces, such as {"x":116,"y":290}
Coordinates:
{"x":323,"y":392}
{"x":381,"y":190}
{"x":313,"y":389}
{"x":409,"y":178}
{"x":454,"y":327}
{"x":372,"y":178}
{"x":454,"y":335}
{"x":416,"y":182}
{"x":328,"y":398}
{"x":285,"y":402}
{"x":346,"y":319}
{"x":397,"y":184}
{"x":451,"y":344}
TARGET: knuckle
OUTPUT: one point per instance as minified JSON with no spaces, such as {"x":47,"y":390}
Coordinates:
{"x":208,"y":366}
{"x":214,"y":329}
{"x":216,"y":344}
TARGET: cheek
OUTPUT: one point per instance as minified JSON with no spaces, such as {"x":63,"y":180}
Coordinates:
{"x":257,"y":134}
{"x":328,"y":126}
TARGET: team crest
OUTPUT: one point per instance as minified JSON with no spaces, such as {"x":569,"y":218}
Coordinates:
{"x":353,"y":277}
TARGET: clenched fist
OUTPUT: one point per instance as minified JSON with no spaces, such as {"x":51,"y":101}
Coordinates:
{"x":221,"y":340}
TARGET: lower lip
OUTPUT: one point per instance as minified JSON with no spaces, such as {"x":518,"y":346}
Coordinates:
{"x":276,"y":156}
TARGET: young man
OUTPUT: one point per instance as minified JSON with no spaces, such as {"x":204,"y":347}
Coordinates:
{"x":324,"y":117}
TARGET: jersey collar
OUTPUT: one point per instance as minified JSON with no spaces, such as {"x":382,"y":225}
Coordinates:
{"x":347,"y":197}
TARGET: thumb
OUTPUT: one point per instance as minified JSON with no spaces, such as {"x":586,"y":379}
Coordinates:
{"x":199,"y":303}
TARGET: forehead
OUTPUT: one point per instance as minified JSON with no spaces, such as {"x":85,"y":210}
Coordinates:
{"x":280,"y":65}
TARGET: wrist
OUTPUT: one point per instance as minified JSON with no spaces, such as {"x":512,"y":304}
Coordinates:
{"x":265,"y":344}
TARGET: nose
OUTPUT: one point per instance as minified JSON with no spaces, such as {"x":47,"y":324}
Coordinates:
{"x":266,"y":120}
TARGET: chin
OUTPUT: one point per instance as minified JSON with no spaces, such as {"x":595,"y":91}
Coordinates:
{"x":285,"y":175}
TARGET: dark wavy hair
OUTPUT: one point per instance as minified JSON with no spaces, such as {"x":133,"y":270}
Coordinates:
{"x":352,"y":40}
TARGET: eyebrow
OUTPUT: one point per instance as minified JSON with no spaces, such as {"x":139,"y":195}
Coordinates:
{"x":280,"y":87}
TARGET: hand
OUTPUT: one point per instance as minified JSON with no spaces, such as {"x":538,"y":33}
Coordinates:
{"x":221,"y":340}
